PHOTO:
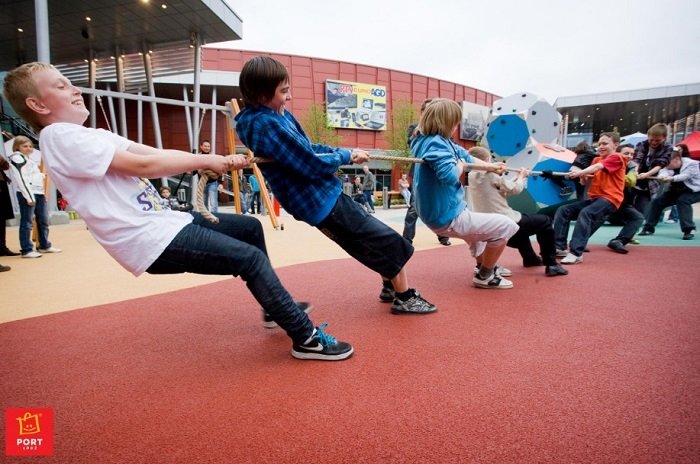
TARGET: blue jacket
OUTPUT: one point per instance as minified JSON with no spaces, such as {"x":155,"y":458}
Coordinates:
{"x":303,"y":182}
{"x":436,"y":185}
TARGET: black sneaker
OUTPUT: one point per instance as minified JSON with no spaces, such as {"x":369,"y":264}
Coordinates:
{"x":646,"y":232}
{"x":323,"y":347}
{"x":555,"y":270}
{"x":444,"y":241}
{"x":268,"y":323}
{"x":387,"y":295}
{"x":618,"y":247}
{"x":414,"y":305}
{"x":688,"y":236}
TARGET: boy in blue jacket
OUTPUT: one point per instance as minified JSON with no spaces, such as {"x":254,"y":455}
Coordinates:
{"x":303,"y":178}
{"x":440,"y":197}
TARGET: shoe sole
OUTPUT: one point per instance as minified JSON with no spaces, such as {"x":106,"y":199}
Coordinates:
{"x":416,"y":313}
{"x":273,"y":324}
{"x":494,"y":287}
{"x":386,"y":299}
{"x":569,"y":263}
{"x":320,"y":356}
{"x":622,"y":251}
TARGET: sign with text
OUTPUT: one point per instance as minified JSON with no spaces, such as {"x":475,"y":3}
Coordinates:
{"x":352,"y":105}
{"x":29,"y":432}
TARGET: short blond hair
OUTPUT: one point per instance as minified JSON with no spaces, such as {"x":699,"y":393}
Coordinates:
{"x":480,"y":152}
{"x":20,"y":85}
{"x":19,"y":141}
{"x":440,"y":117}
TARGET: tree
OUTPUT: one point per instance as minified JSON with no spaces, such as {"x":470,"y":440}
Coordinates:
{"x":316,"y":126}
{"x":402,"y":116}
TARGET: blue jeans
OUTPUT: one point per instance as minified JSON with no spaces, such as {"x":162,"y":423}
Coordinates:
{"x":369,"y":198}
{"x":235,"y":246}
{"x":26,"y":212}
{"x":589,"y":215}
{"x":211,"y":197}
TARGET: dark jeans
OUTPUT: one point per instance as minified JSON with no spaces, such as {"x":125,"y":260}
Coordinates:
{"x":255,"y":202}
{"x":539,"y":225}
{"x":631,"y":220}
{"x":641,"y":200}
{"x":589,"y":215}
{"x":409,"y":222}
{"x":366,"y":238}
{"x":26,"y":213}
{"x":683,"y":199}
{"x":235,"y":246}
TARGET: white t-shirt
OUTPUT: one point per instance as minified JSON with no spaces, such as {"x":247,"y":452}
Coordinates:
{"x":124,"y":213}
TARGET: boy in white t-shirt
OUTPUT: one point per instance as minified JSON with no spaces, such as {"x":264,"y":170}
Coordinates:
{"x":105,"y":178}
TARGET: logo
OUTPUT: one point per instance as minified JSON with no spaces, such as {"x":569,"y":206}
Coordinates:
{"x":29,"y":432}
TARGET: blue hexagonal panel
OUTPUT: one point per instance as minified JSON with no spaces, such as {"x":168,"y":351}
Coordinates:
{"x":506,"y":135}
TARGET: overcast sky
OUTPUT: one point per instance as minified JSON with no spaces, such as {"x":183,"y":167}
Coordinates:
{"x":550,"y":48}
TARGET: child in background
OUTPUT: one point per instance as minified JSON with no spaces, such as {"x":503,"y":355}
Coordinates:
{"x":303,"y":177}
{"x":29,"y":184}
{"x":440,"y":197}
{"x":105,"y":178}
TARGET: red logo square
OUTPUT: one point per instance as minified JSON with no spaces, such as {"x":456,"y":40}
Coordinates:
{"x":29,"y":432}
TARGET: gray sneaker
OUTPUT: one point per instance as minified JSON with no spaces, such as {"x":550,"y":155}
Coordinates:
{"x":414,"y":305}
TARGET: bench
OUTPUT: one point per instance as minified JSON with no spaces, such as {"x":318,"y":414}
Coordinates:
{"x":392,"y":194}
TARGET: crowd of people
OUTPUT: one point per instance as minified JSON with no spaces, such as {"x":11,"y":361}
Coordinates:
{"x":99,"y":171}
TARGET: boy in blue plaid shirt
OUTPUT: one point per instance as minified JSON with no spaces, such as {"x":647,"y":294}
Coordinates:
{"x":303,"y":179}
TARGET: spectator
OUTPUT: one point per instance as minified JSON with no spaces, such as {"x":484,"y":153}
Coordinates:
{"x":29,"y":186}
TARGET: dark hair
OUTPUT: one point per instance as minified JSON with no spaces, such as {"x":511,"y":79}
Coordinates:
{"x":581,"y":147}
{"x":624,"y":145}
{"x":685,"y":151}
{"x":259,"y":79}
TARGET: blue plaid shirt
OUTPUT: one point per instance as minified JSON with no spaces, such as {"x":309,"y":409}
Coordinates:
{"x":303,"y":182}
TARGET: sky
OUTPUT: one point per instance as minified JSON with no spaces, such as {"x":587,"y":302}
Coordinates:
{"x":549,"y":48}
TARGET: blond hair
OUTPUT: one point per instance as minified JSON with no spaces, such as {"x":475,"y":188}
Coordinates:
{"x":440,"y":117}
{"x":480,"y":152}
{"x":19,"y":141}
{"x":20,"y":85}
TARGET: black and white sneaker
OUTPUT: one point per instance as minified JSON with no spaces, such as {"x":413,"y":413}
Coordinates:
{"x":387,"y":295}
{"x":414,"y":305}
{"x":493,"y":281}
{"x":268,"y":323}
{"x":322,"y":346}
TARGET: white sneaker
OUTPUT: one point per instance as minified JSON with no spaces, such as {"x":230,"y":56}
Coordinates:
{"x":572,"y":259}
{"x":52,"y":249}
{"x":501,"y":271}
{"x":32,"y":254}
{"x":562,"y":253}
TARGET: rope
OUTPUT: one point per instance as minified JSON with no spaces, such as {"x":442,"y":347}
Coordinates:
{"x":204,"y":176}
{"x":405,"y":159}
{"x":199,"y":200}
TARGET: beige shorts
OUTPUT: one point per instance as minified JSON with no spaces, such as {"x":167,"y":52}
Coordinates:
{"x":480,"y":230}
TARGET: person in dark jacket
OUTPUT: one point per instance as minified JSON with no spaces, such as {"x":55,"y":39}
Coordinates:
{"x":6,"y":211}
